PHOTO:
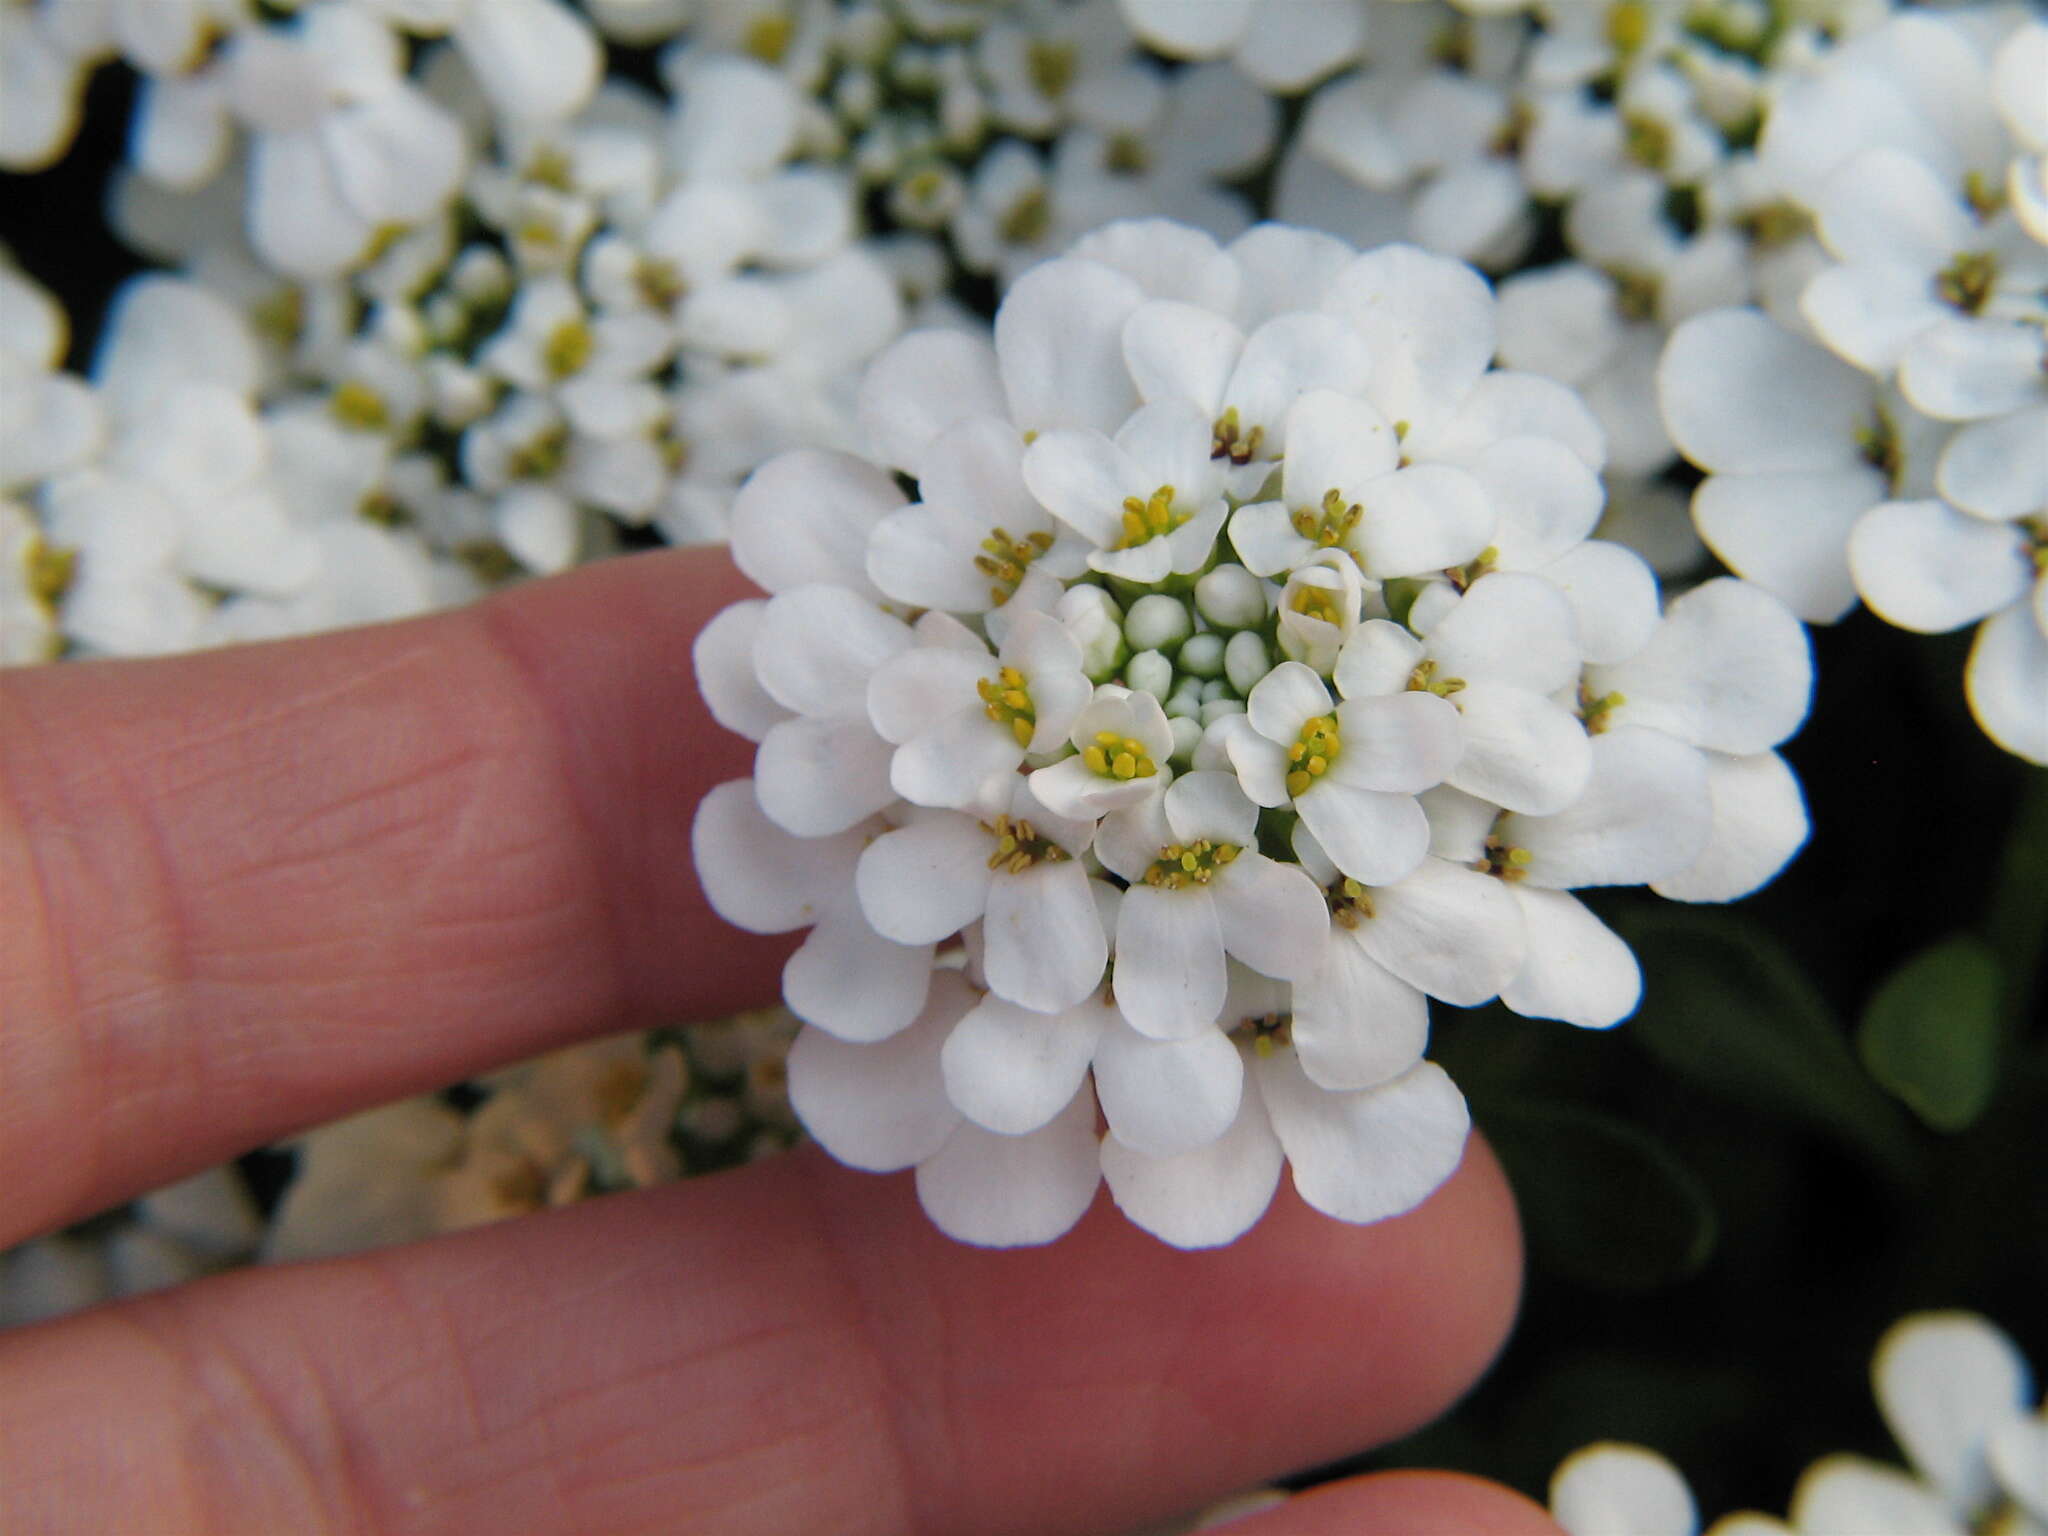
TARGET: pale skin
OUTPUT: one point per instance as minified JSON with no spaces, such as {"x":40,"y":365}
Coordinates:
{"x":254,"y":890}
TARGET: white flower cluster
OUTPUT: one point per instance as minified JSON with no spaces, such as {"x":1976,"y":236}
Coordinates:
{"x":1241,"y":678}
{"x":1958,"y":1397}
{"x":608,"y":319}
{"x":1888,"y":437}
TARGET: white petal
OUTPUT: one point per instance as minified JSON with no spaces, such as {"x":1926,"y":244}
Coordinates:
{"x":298,"y":220}
{"x":1369,"y":1155}
{"x":1944,"y":1381}
{"x":723,"y":656}
{"x":1451,"y":931}
{"x":1167,"y":258}
{"x":1059,"y":346}
{"x":2007,"y":682}
{"x":1378,"y":659}
{"x":1426,"y":518}
{"x":1011,"y":1071}
{"x":1509,"y":627}
{"x":1284,"y":700}
{"x":1849,"y":1496}
{"x":756,"y":875}
{"x":1356,"y":1025}
{"x":1961,"y":370}
{"x":1289,"y":47}
{"x":1212,"y":806}
{"x":1165,"y":1097}
{"x":1428,"y":323}
{"x":1868,"y":314}
{"x":1082,"y":478}
{"x":806,"y":516}
{"x":2019,"y":1457}
{"x":1006,"y":1191}
{"x":817,"y":777}
{"x":1398,"y":743}
{"x":1044,"y":942}
{"x":1273,"y":915}
{"x":1203,"y":1197}
{"x":1372,"y":837}
{"x":1170,"y":980}
{"x":853,"y":983}
{"x":397,"y":158}
{"x":1613,"y":593}
{"x":1728,"y":669}
{"x":1577,"y":969}
{"x":1998,"y":469}
{"x":1609,"y":1489}
{"x":536,"y":60}
{"x":921,"y":386}
{"x":1287,"y":357}
{"x":883,"y":1106}
{"x":1183,"y":31}
{"x":819,"y":645}
{"x":1545,"y":497}
{"x":1924,"y":566}
{"x":1522,"y":751}
{"x":1337,"y":443}
{"x":1884,"y":205}
{"x":1759,"y":823}
{"x":965,"y":762}
{"x":1740,"y":394}
{"x":1789,"y":533}
{"x":914,"y":689}
{"x":1180,"y":351}
{"x":1264,"y":538}
{"x":1645,"y":814}
{"x":924,"y":882}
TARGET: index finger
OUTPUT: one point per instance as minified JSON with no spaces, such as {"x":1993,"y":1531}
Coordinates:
{"x":254,"y":889}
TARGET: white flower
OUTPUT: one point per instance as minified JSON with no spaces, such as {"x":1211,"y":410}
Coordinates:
{"x":1285,"y":45}
{"x":536,"y":60}
{"x":1935,"y":565}
{"x":1149,"y":501}
{"x":1612,"y":1489}
{"x":33,"y":577}
{"x":1122,"y":743}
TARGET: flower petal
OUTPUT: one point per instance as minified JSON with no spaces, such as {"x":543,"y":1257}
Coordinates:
{"x":1645,"y":814}
{"x":1007,"y":1191}
{"x":1759,"y":823}
{"x":894,"y":979}
{"x":1944,"y":1381}
{"x":1924,"y":566}
{"x":1851,"y":1494}
{"x":1273,"y":916}
{"x":1452,"y":932}
{"x":1372,"y":837}
{"x":1357,"y":1025}
{"x":1205,"y":1196}
{"x":880,"y":1107}
{"x":817,"y":777}
{"x":922,"y":385}
{"x":1059,"y":346}
{"x":1789,"y":533}
{"x":1044,"y":945}
{"x":1368,"y":1155}
{"x":757,"y":876}
{"x":1170,"y":980}
{"x":2007,"y":682}
{"x":1609,"y":1489}
{"x":1011,"y":1071}
{"x":1577,"y":969}
{"x":924,"y":882}
{"x":1522,"y":751}
{"x":806,"y":516}
{"x":1740,"y":394}
{"x":1165,"y":1097}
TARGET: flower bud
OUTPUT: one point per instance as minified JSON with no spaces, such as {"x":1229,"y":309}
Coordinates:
{"x":1245,"y":661}
{"x":1097,"y":625}
{"x":1202,"y":655}
{"x":1149,"y":672}
{"x":1187,"y":735}
{"x":1231,"y":597}
{"x":1157,"y":622}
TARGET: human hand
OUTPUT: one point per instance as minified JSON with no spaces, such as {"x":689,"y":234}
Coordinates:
{"x":253,"y":890}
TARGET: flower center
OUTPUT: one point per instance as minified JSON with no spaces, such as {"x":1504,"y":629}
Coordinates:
{"x":1350,"y":902}
{"x":1008,"y":702}
{"x":1313,"y":752}
{"x":1635,"y":293}
{"x":768,"y":37}
{"x":1019,"y":845}
{"x":1267,"y":1031}
{"x":1775,"y":224}
{"x":1004,"y":559}
{"x":1051,"y":66}
{"x":1325,"y":603}
{"x":1647,"y":141}
{"x":659,"y":281}
{"x":355,"y":404}
{"x":1028,"y":218}
{"x":1968,"y":282}
{"x":1424,"y":680}
{"x":1595,"y":710}
{"x":1128,"y":155}
{"x":2036,"y":530}
{"x":1503,"y":861}
{"x":1149,"y":519}
{"x":1181,"y":865}
{"x":1230,"y":441}
{"x":1118,"y":757}
{"x":1628,"y":25}
{"x":50,"y":571}
{"x":1329,"y":524}
{"x":1880,"y":448}
{"x":567,"y":349}
{"x":540,"y":458}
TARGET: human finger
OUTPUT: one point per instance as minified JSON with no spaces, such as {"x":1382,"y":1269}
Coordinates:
{"x":1402,"y":1504}
{"x":786,"y":1349}
{"x":255,"y":889}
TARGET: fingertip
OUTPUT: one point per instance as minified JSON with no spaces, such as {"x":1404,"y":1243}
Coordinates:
{"x":1403,"y":1504}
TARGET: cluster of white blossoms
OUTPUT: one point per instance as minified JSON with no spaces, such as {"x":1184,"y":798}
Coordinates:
{"x":1958,"y":1398}
{"x":1887,"y":437}
{"x":1241,"y":677}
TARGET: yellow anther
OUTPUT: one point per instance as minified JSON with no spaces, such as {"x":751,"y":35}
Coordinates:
{"x":1181,"y":865}
{"x":541,"y":457}
{"x":1028,"y":219}
{"x":567,"y":349}
{"x":1097,"y":760}
{"x":768,"y":37}
{"x":1647,"y":140}
{"x":355,"y":404}
{"x":1023,"y":730}
{"x":1124,"y":766}
{"x":1229,"y":440}
{"x":50,"y":571}
{"x":1051,"y":66}
{"x":1628,"y":25}
{"x":1019,"y":846}
{"x":1298,"y":782}
{"x":1969,"y":281}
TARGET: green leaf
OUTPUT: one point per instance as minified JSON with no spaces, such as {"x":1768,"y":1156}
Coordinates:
{"x":1604,"y":1203}
{"x":1727,"y":1010}
{"x":1930,"y":1035}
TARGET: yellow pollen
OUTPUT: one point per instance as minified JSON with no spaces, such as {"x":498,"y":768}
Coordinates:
{"x":1028,"y":218}
{"x":1503,"y":860}
{"x":768,"y":38}
{"x":1647,"y":141}
{"x":1181,"y":865}
{"x":1319,"y":603}
{"x":1968,"y":282}
{"x":1007,"y":701}
{"x":1051,"y":66}
{"x":1004,"y":559}
{"x":50,"y":571}
{"x":1118,"y":757}
{"x":1628,"y":25}
{"x":355,"y":404}
{"x":1144,"y":521}
{"x":1594,"y":709}
{"x":567,"y":349}
{"x":541,"y":457}
{"x":1019,"y":845}
{"x":1229,"y":440}
{"x":1424,"y":680}
{"x":1330,"y":524}
{"x":1313,"y":752}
